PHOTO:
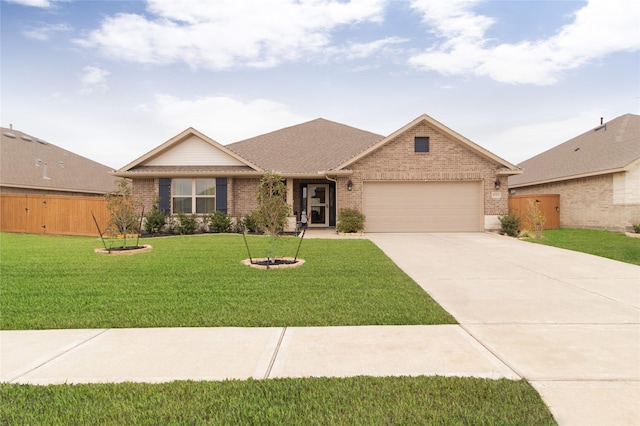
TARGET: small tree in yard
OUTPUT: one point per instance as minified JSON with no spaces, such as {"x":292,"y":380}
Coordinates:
{"x":534,"y":218}
{"x":272,"y":212}
{"x":273,"y":209}
{"x":122,"y":210}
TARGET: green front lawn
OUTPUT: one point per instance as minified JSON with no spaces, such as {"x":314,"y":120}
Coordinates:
{"x":612,"y":245}
{"x":58,"y":282}
{"x":198,"y":281}
{"x":312,"y":401}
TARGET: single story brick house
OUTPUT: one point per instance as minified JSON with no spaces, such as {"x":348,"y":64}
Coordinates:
{"x":596,"y":174}
{"x":422,"y":178}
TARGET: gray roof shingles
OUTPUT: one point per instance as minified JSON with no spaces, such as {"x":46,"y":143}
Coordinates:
{"x":317,"y":145}
{"x":612,"y":146}
{"x":30,"y":162}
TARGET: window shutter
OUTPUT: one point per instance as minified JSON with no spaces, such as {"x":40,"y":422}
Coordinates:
{"x":164,"y":192}
{"x":221,"y":195}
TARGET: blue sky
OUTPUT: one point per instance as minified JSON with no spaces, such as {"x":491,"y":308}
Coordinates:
{"x":111,"y":80}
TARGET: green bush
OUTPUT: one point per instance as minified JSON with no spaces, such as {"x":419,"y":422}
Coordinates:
{"x":636,"y":228}
{"x":350,"y":220}
{"x":154,"y":220}
{"x":187,"y":223}
{"x":510,"y":224}
{"x":219,"y":222}
{"x":250,"y":223}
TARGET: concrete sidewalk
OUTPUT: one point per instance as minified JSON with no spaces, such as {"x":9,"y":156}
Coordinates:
{"x":567,"y":322}
{"x":164,"y":354}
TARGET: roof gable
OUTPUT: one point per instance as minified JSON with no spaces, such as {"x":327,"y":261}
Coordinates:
{"x":315,"y":146}
{"x":506,"y":167}
{"x":611,"y":147}
{"x":30,"y":162}
{"x":189,"y":148}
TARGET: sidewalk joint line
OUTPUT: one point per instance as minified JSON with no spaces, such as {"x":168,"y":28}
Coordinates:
{"x":275,"y":353}
{"x":492,"y":352}
{"x":43,"y":363}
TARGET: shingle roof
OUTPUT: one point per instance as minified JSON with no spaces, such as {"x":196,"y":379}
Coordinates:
{"x":30,"y":162}
{"x":317,"y":145}
{"x":612,"y":146}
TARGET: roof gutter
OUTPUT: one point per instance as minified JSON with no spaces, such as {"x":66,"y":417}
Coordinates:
{"x":185,"y":174}
{"x":53,"y":189}
{"x":251,"y":174}
{"x":563,"y":178}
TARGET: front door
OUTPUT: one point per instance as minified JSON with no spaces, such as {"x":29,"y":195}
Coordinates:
{"x":318,"y":205}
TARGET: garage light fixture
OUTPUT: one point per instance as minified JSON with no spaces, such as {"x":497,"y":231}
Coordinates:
{"x":496,"y":184}
{"x":349,"y":185}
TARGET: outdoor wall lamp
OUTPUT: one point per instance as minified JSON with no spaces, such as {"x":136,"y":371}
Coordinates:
{"x":496,"y":184}
{"x":349,"y":185}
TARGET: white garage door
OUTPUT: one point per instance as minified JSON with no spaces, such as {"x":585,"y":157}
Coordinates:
{"x":423,"y":206}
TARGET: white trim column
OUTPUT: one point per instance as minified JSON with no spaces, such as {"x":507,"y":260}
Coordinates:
{"x":290,"y":193}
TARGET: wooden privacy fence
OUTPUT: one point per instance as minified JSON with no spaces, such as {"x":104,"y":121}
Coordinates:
{"x":52,"y":214}
{"x":549,"y":205}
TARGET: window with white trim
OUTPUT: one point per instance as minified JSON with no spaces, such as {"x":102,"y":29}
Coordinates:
{"x":193,"y":196}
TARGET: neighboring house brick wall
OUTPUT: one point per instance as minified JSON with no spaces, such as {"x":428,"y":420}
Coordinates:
{"x":447,"y":160}
{"x":588,"y":203}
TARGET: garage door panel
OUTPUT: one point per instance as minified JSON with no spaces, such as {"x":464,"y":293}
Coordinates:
{"x":422,"y":206}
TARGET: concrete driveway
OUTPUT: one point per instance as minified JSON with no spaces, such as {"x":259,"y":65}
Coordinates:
{"x":567,"y":322}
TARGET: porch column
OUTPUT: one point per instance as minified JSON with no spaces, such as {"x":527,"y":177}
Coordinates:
{"x":291,"y":220}
{"x":290,"y":193}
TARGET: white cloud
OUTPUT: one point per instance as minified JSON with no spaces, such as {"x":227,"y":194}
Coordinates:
{"x":600,"y":28}
{"x":364,"y":50}
{"x":45,"y":32}
{"x":224,"y":119}
{"x":228,"y":33}
{"x":32,"y":3}
{"x":527,"y":140}
{"x":94,"y":80}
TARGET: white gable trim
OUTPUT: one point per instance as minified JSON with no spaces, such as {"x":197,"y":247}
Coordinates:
{"x":164,"y":151}
{"x":193,"y":151}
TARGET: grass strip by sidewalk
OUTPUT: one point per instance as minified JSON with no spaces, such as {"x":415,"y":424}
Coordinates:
{"x":335,"y":401}
{"x":53,"y":282}
{"x":612,"y":245}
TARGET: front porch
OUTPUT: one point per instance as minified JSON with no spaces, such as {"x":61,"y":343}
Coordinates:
{"x":316,"y":198}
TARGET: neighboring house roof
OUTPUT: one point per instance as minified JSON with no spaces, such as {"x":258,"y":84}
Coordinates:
{"x":190,"y":153}
{"x":315,"y":146}
{"x":608,"y":148}
{"x":506,"y":167}
{"x":31,"y":163}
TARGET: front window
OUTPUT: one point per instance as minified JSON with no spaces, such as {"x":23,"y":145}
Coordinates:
{"x":193,"y":196}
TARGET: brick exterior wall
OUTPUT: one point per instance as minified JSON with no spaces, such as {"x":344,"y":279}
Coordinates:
{"x":447,"y":160}
{"x":145,"y":191}
{"x":242,"y":196}
{"x":588,"y":203}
